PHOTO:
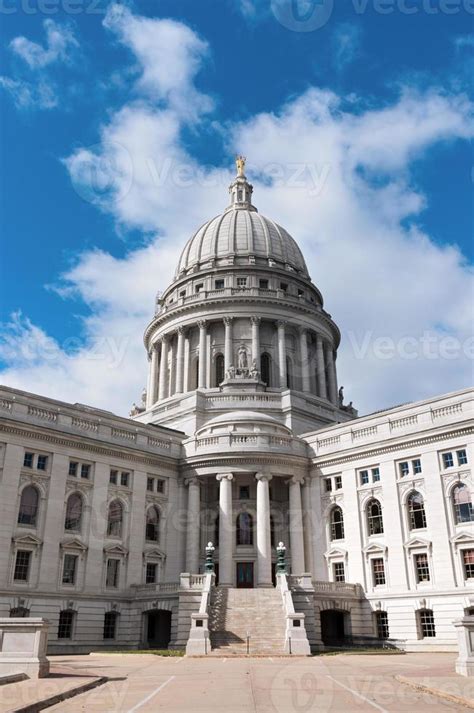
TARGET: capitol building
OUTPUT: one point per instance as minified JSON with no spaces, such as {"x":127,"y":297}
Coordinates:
{"x":327,"y":529}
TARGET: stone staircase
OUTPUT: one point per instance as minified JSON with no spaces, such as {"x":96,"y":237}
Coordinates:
{"x":234,"y":612}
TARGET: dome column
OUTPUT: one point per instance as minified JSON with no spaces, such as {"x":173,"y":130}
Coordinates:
{"x":331,"y":371}
{"x":282,"y":354}
{"x":256,"y":341}
{"x":193,"y":529}
{"x":202,"y":354}
{"x":226,"y":529}
{"x":163,"y":369}
{"x":264,"y":543}
{"x":305,"y":378}
{"x":151,"y":393}
{"x":180,"y":361}
{"x":320,"y":368}
{"x":296,"y":527}
{"x":228,"y":357}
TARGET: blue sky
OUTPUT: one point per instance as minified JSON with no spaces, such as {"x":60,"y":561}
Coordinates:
{"x":374,"y":102}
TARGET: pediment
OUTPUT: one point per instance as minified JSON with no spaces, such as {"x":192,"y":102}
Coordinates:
{"x":463,"y":538}
{"x":335,"y":552}
{"x":116,"y":550}
{"x":155,"y":553}
{"x":374,"y":548}
{"x":73,"y":544}
{"x":417,"y":542}
{"x":28,"y":539}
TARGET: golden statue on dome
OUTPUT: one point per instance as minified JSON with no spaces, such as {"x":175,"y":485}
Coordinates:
{"x":240,"y":163}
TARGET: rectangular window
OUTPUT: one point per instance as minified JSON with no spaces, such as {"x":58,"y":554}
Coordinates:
{"x":85,"y":471}
{"x":416,"y":466}
{"x":283,"y":286}
{"x":339,"y":572}
{"x":427,"y":624}
{"x":327,"y":485}
{"x":124,"y":479}
{"x":462,"y":457}
{"x":241,"y":282}
{"x":378,"y":571}
{"x":22,"y":566}
{"x":150,"y":574}
{"x":338,"y":482}
{"x":404,"y":469}
{"x":66,"y":620}
{"x":69,"y":569}
{"x":182,"y":293}
{"x":422,"y":568}
{"x":42,"y":463}
{"x":468,"y":563}
{"x":381,"y":618}
{"x":219,"y":284}
{"x":149,"y":484}
{"x":160,"y":486}
{"x":448,"y":460}
{"x":110,"y":624}
{"x":244,"y":492}
{"x":73,"y":469}
{"x":112,"y":577}
{"x":364,"y":477}
{"x":300,"y":293}
{"x":263,"y":284}
{"x":28,"y":460}
{"x":375,"y":475}
{"x":113,"y":477}
{"x":199,"y":287}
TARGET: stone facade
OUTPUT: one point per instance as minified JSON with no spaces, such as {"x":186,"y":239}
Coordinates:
{"x":243,"y":439}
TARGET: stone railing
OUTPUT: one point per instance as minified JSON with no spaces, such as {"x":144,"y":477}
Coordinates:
{"x":259,"y":441}
{"x":159,"y":443}
{"x":192,"y":581}
{"x":42,"y":413}
{"x":124,"y":435}
{"x":296,"y":639}
{"x":404,"y":422}
{"x":160,"y":588}
{"x":226,"y":399}
{"x":330,"y":441}
{"x":364,"y":432}
{"x":85,"y":425}
{"x":198,"y":642}
{"x":6,"y":404}
{"x":446,"y":411}
{"x":337,"y":588}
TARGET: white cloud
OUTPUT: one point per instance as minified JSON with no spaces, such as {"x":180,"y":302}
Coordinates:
{"x":346,"y":41}
{"x":341,"y":185}
{"x":26,"y":95}
{"x":60,"y":42}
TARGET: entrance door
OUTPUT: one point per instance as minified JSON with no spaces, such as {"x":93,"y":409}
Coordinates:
{"x":333,"y":627}
{"x":158,"y":629}
{"x":245,"y":575}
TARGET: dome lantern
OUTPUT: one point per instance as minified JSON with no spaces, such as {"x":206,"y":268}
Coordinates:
{"x":241,"y":190}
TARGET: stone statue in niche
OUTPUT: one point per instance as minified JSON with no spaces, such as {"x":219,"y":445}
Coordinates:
{"x":243,"y":362}
{"x":254,"y":372}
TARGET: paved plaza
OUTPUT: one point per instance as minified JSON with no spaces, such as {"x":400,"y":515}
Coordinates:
{"x":148,"y":684}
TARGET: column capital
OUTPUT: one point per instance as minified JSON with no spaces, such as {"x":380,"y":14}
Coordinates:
{"x":181,"y":330}
{"x":296,"y":479}
{"x":228,"y":320}
{"x":263,"y":476}
{"x":202,"y":324}
{"x":225,"y":476}
{"x":255,"y":320}
{"x":164,"y":338}
{"x":302,"y":330}
{"x":192,"y":481}
{"x":281,"y":323}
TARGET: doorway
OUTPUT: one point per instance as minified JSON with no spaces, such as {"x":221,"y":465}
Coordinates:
{"x":334,"y":627}
{"x":158,"y":628}
{"x":244,"y":575}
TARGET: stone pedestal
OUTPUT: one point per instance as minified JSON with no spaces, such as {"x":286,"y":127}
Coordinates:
{"x":465,"y":632}
{"x":23,"y":643}
{"x":242,"y":383}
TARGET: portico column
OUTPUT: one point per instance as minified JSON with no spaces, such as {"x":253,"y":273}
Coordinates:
{"x":307,"y":524}
{"x":305,"y":378}
{"x":296,"y":527}
{"x":163,"y":369}
{"x":172,"y":370}
{"x":151,"y":393}
{"x":202,"y":354}
{"x":282,"y":353}
{"x":320,"y":368}
{"x":331,"y":371}
{"x":264,"y":543}
{"x":256,"y":341}
{"x":192,"y":529}
{"x":180,"y":361}
{"x":228,"y":358}
{"x":225,"y":529}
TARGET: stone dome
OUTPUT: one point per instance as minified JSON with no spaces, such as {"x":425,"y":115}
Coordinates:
{"x":246,"y":420}
{"x":241,"y":232}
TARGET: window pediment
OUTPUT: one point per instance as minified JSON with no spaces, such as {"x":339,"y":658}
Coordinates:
{"x":116,"y":550}
{"x":375,"y":548}
{"x":336,"y":552}
{"x":73,"y":544}
{"x":154,"y":553}
{"x":417,"y":542}
{"x":463,"y":538}
{"x":29,"y":539}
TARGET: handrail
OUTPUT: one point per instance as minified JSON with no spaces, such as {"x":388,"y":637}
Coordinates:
{"x":296,"y":639}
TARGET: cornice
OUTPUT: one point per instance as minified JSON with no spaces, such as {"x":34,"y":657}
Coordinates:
{"x":162,"y":462}
{"x":368,"y":452}
{"x":252,"y":459}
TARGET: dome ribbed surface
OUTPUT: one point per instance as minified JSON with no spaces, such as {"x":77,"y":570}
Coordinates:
{"x":241,"y":233}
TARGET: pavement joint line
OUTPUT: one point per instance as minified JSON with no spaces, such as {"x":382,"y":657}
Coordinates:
{"x":452,"y":697}
{"x":358,"y":695}
{"x":150,"y":696}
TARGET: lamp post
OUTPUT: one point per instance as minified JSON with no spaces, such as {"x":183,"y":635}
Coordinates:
{"x":281,"y":561}
{"x":209,"y":567}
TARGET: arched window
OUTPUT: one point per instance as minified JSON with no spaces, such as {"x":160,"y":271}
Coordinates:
{"x":337,"y":524}
{"x":462,"y":504}
{"x":265,"y":368}
{"x":110,"y":624}
{"x":29,"y":504}
{"x":289,"y":373}
{"x":219,"y":365}
{"x":374,"y":517}
{"x":115,"y":519}
{"x":416,"y":511}
{"x":73,"y":518}
{"x":244,"y":529}
{"x":19,"y":612}
{"x":152,"y":530}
